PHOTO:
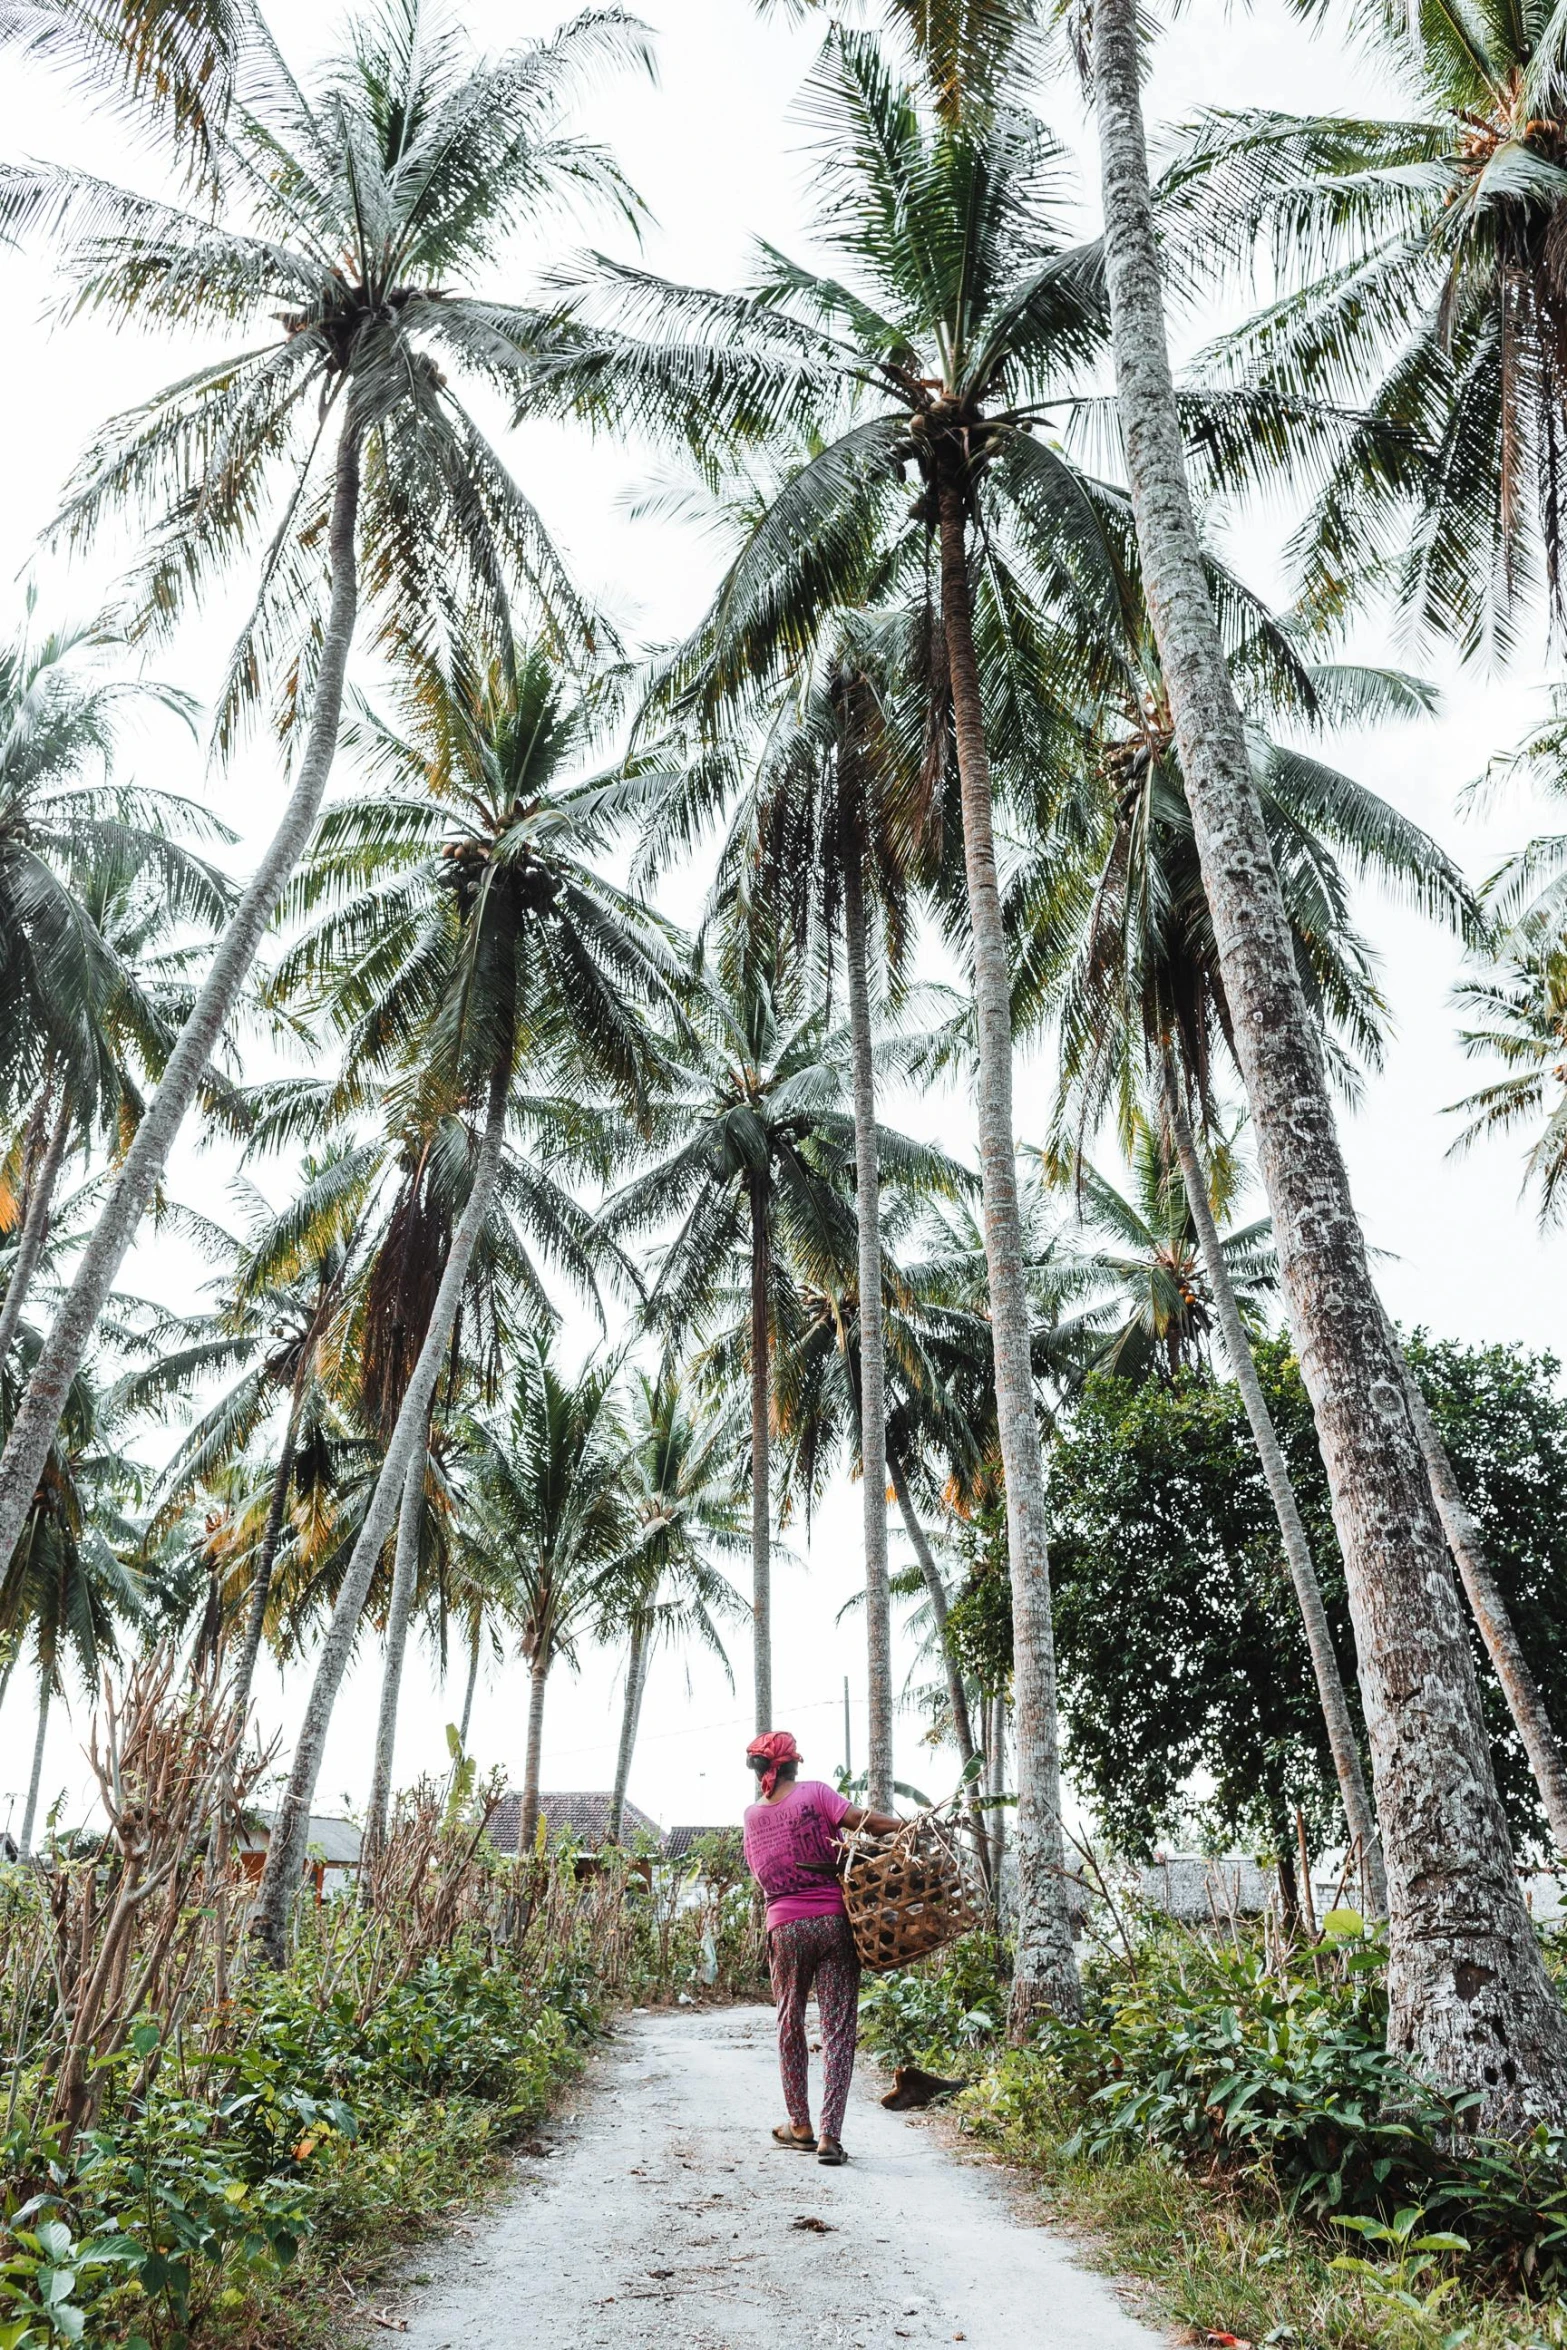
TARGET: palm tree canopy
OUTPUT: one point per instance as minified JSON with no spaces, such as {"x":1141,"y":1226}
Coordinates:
{"x":352,"y":216}
{"x":83,"y":857}
{"x":1420,"y":255}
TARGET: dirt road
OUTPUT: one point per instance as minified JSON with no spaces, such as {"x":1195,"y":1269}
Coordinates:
{"x":663,"y":2217}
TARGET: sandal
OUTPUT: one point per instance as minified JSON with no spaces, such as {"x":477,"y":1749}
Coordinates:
{"x":786,"y":2135}
{"x":829,"y":2151}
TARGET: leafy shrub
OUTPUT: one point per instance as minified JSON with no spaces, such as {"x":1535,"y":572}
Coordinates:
{"x":940,"y":2010}
{"x":1279,"y":2085}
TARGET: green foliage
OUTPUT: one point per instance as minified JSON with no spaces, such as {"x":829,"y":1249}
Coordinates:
{"x":336,"y":2119}
{"x":1271,"y":2079}
{"x":979,"y":1622}
{"x":1177,"y":1632}
{"x":927,"y":2013}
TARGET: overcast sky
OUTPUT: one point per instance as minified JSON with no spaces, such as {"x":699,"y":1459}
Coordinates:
{"x":716,"y":153}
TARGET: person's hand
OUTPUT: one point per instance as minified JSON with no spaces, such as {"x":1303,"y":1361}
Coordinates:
{"x":880,"y":1823}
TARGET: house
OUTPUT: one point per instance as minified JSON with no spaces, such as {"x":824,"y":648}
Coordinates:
{"x":677,"y":1844}
{"x":1199,"y":1890}
{"x":332,"y":1848}
{"x":581,"y":1817}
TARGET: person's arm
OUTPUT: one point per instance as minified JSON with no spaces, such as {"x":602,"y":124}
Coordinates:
{"x":880,"y":1823}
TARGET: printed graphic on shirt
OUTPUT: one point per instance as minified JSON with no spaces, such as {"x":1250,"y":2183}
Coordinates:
{"x":789,"y":1846}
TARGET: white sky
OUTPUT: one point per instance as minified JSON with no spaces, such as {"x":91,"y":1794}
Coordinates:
{"x":716,"y":155}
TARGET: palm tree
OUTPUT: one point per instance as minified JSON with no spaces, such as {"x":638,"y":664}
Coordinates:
{"x":95,"y":882}
{"x":465,"y":938}
{"x":66,"y":1588}
{"x":747,"y":1147}
{"x":284,"y":1319}
{"x":1150,"y":1257}
{"x":826,"y":831}
{"x":352,"y":217}
{"x":552,"y":1493}
{"x":962,"y":318}
{"x":1453,"y":1901}
{"x":687,"y":1503}
{"x":1416,"y":256}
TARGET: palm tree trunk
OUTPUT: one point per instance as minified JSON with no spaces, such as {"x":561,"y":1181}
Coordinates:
{"x":286,"y":1851}
{"x":24,"y":1842}
{"x":873,"y":1352}
{"x":35,"y":1226}
{"x":271,"y":1535}
{"x":33,"y":1430}
{"x":1297,"y":1550}
{"x":996,"y":1776}
{"x":761,"y":1448}
{"x":405,"y":1574}
{"x":528,"y":1822}
{"x":1489,"y":1609}
{"x":636,"y":1682}
{"x":1045,"y":1968}
{"x":957,"y":1695}
{"x":1468,"y":1995}
{"x":473,"y":1683}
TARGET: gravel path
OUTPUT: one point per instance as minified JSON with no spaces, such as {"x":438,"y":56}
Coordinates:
{"x":663,"y":2216}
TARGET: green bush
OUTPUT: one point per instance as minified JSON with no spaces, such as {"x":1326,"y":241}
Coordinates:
{"x":334,"y":2120}
{"x":1279,"y":2086}
{"x":940,"y":2011}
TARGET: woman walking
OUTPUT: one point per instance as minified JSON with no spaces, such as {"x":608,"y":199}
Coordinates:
{"x":791,"y":1839}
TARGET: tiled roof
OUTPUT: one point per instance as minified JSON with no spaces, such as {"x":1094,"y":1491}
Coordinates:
{"x":680,"y":1840}
{"x":583,"y":1816}
{"x":335,"y":1841}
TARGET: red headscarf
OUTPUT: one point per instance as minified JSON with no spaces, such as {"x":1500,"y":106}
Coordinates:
{"x":779,"y":1748}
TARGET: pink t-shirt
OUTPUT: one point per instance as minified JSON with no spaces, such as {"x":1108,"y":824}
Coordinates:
{"x":789,"y":1850}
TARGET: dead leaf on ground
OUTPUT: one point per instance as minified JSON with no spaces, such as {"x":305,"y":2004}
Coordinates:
{"x":388,"y":2325}
{"x":1229,"y":2341}
{"x":813,"y":2225}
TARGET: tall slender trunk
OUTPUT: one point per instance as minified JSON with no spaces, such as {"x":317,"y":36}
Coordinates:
{"x":1489,"y":1609}
{"x":473,"y":1682}
{"x":631,"y":1715}
{"x":33,"y":1430}
{"x":761,"y":1454}
{"x":271,"y":1535}
{"x":538,"y":1678}
{"x":1297,"y":1550}
{"x":1045,"y":1968}
{"x":286,"y":1851}
{"x":957,"y":1695}
{"x":405,"y":1574}
{"x":873,"y":1351}
{"x":995,"y":1787}
{"x":1468,"y":1995}
{"x":24,"y":1842}
{"x":35,"y":1224}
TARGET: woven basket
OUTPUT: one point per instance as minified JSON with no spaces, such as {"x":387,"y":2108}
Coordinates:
{"x":908,"y":1894}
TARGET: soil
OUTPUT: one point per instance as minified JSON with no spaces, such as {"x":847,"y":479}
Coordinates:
{"x":655,"y":2212}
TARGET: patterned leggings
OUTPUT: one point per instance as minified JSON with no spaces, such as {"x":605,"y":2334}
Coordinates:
{"x":820,"y":1950}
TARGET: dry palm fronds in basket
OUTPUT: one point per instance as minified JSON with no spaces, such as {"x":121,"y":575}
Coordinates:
{"x":908,"y":1894}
